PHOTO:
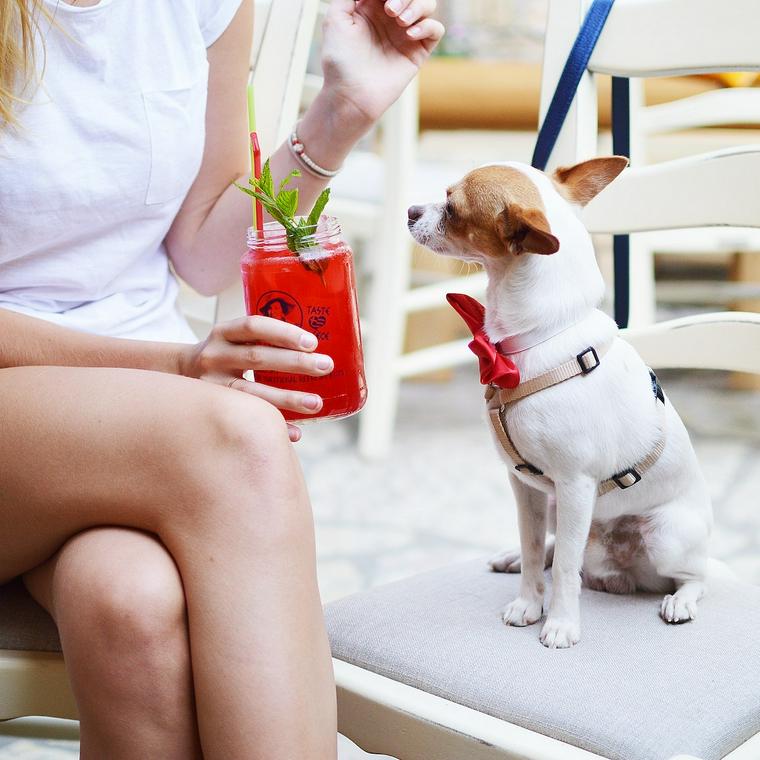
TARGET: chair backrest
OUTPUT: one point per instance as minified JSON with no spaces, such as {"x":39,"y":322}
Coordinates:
{"x":278,"y":69}
{"x":645,"y":38}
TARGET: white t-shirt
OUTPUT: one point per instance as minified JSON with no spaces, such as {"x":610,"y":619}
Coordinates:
{"x":106,"y":152}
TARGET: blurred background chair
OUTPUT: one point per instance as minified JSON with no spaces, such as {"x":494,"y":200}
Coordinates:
{"x":410,"y":682}
{"x":477,"y":101}
{"x":475,"y":105}
{"x":686,"y":126}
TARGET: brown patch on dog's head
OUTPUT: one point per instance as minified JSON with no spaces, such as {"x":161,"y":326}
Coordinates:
{"x":497,"y":210}
{"x":583,"y":182}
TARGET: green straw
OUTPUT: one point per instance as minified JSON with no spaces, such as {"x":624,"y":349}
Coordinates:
{"x":251,"y":130}
{"x":251,"y":109}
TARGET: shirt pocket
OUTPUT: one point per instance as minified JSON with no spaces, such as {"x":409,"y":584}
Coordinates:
{"x":176,"y":125}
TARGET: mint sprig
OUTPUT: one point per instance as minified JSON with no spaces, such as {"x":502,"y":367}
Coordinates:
{"x":282,"y":206}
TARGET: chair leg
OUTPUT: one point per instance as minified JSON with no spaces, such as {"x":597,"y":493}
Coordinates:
{"x":391,"y":263}
{"x":388,"y":328}
{"x":746,"y":269}
{"x":642,"y":296}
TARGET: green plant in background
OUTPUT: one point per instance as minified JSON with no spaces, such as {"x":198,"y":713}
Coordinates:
{"x":282,"y":206}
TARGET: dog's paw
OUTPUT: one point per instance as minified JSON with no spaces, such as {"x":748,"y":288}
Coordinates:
{"x":506,"y":562}
{"x":523,"y":612}
{"x":560,"y":634}
{"x":676,"y":609}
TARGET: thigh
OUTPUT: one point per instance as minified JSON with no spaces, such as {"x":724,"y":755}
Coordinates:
{"x":82,"y":447}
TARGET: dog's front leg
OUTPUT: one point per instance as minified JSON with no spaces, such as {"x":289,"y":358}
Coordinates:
{"x":531,"y":518}
{"x":575,"y":506}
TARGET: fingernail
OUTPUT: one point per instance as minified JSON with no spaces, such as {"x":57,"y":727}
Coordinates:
{"x":394,"y":6}
{"x":324,"y":362}
{"x":312,"y":402}
{"x":308,"y":341}
{"x":406,"y":16}
{"x":414,"y":32}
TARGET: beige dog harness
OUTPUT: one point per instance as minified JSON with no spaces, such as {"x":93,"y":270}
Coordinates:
{"x":499,"y":399}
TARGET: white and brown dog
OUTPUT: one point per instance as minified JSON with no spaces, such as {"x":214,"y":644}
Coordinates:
{"x":597,"y":455}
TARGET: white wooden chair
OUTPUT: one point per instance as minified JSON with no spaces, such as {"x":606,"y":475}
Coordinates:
{"x":425,"y":669}
{"x":33,"y":678}
{"x":716,"y":108}
{"x":388,"y":181}
{"x":393,"y":296}
{"x":370,"y":198}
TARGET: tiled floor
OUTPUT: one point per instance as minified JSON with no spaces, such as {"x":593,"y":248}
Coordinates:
{"x":442,"y":495}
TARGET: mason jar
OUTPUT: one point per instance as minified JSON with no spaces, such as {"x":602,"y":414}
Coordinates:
{"x":314,"y":289}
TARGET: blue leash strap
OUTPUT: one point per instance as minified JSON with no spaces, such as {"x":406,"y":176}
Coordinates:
{"x":572,"y":73}
{"x":576,"y":65}
{"x":621,"y":146}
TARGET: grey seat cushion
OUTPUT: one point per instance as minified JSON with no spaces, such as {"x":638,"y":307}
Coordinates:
{"x":23,"y":623}
{"x":634,"y":688}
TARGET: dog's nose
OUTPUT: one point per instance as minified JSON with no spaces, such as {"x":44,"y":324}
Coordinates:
{"x":414,"y":213}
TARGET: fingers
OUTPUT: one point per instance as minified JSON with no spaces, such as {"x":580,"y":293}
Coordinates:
{"x":294,"y":401}
{"x":411,"y":11}
{"x":395,"y":8}
{"x":267,"y":330}
{"x":278,"y":360}
{"x":429,"y":32}
{"x":294,"y":433}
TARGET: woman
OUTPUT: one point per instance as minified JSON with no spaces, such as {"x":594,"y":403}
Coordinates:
{"x":163,"y":521}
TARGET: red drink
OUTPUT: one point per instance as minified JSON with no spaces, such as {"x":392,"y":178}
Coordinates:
{"x":317,"y":291}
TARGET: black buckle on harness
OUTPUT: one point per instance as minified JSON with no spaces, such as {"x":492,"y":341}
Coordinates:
{"x":584,"y":360}
{"x":528,"y":468}
{"x":656,"y":387}
{"x":626,"y":479}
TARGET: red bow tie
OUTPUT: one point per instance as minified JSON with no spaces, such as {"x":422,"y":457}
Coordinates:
{"x":494,"y":367}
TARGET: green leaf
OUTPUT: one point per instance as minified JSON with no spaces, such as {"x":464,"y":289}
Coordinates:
{"x":319,"y":207}
{"x":286,"y":181}
{"x":265,"y":182}
{"x":287,"y":202}
{"x":244,"y":189}
{"x":284,"y":206}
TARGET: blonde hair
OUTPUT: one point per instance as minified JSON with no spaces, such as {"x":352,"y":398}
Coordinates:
{"x":18,"y":24}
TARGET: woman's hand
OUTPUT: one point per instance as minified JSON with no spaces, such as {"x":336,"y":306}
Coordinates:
{"x":372,"y":49}
{"x":259,"y":343}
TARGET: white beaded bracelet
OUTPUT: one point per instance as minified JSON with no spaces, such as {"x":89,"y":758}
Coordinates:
{"x":298,"y":149}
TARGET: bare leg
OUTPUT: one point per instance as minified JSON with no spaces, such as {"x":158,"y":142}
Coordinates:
{"x":212,"y":473}
{"x":575,"y":506}
{"x":118,"y":601}
{"x":531,"y":516}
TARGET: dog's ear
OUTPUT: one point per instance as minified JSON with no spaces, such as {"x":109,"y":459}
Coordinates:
{"x":583,"y":182}
{"x":526,"y":230}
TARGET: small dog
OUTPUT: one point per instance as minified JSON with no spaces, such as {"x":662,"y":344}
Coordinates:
{"x":600,"y":458}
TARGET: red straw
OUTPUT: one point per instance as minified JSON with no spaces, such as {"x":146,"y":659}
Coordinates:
{"x":256,"y":163}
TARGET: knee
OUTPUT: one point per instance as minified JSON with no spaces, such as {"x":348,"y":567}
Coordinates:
{"x":226,"y":436}
{"x":247,"y":429}
{"x":246,"y":456}
{"x":118,"y":594}
{"x":232,"y":475}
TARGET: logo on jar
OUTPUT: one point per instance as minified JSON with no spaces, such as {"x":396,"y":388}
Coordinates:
{"x":317,"y":323}
{"x":280,"y":305}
